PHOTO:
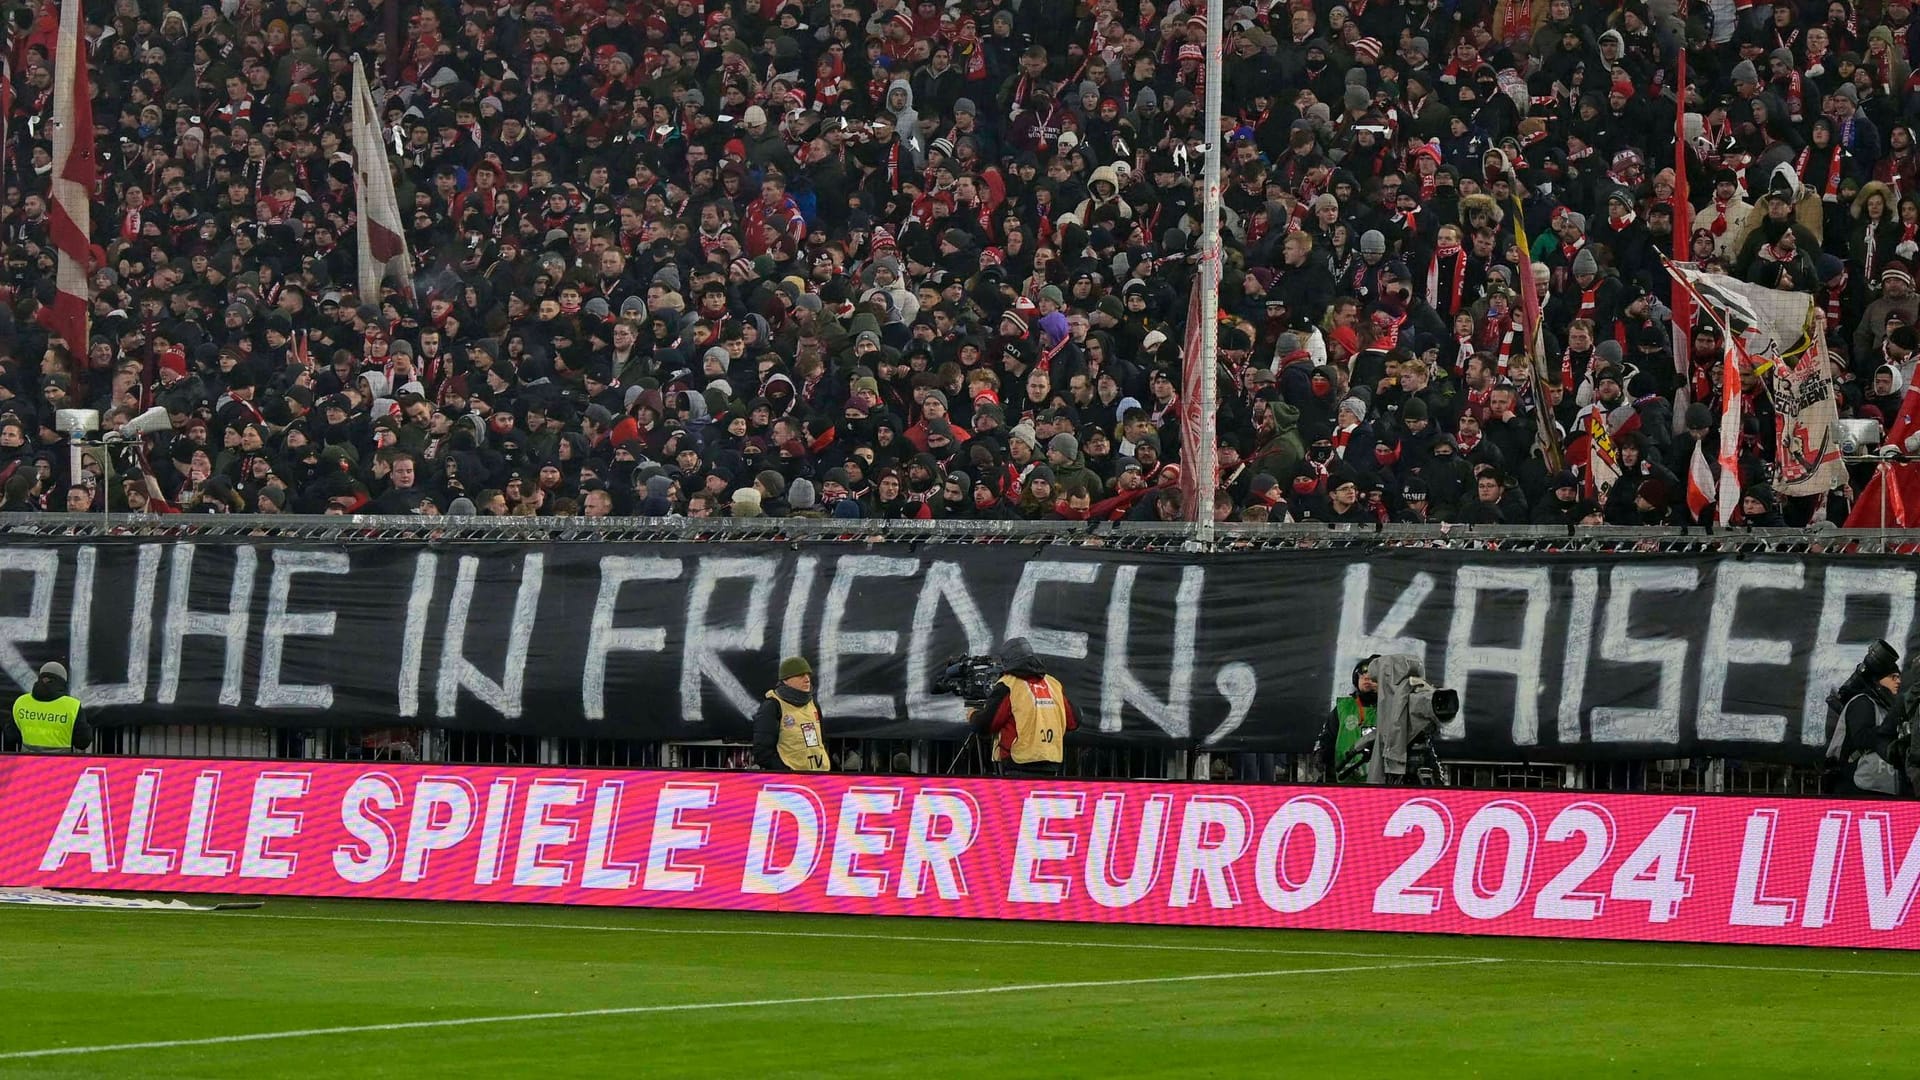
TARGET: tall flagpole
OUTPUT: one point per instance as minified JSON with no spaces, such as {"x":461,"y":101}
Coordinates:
{"x":1208,"y":480}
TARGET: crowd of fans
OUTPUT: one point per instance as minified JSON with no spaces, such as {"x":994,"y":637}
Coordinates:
{"x":899,"y":260}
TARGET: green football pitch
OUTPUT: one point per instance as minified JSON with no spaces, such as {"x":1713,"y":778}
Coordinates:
{"x":342,"y":989}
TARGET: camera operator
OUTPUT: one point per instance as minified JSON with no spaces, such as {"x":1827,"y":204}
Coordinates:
{"x":1349,"y":719}
{"x":1027,"y":716}
{"x":1868,"y":745}
{"x":788,"y":735}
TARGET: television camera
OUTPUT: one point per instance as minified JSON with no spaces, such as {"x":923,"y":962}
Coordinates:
{"x":1399,"y":748}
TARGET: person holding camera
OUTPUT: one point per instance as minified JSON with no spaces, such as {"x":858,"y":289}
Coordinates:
{"x":1867,"y":746}
{"x":1350,"y":718}
{"x":788,"y":735}
{"x":1027,"y":716}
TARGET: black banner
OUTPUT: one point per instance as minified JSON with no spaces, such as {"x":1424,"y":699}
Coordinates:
{"x":1556,"y":657}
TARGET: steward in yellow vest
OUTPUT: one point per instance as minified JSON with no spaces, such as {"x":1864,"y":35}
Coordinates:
{"x":49,"y":720}
{"x":1027,"y":716}
{"x":787,"y":733}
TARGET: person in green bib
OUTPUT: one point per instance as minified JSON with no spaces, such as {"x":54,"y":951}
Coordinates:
{"x":787,"y":733}
{"x":1352,"y":717}
{"x":48,"y":718}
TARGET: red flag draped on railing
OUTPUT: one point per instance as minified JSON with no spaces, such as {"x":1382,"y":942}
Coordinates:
{"x":74,"y":175}
{"x":1192,"y":427}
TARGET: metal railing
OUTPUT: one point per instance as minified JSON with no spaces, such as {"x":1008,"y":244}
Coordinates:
{"x":1124,"y":536}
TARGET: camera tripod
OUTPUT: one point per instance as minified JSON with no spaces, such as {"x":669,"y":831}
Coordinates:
{"x":971,"y":744}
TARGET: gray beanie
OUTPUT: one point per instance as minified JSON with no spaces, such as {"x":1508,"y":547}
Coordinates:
{"x":1356,"y":99}
{"x":1576,"y":219}
{"x":1745,"y":72}
{"x":775,"y":484}
{"x":1609,"y":352}
{"x":1065,"y":445}
{"x":461,"y":507}
{"x":800,"y":494}
{"x":1373,"y":242}
{"x":1585,"y":263}
{"x":1355,"y":406}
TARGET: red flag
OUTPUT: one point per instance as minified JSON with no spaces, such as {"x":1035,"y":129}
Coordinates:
{"x":1681,"y":301}
{"x":1701,"y":491}
{"x":1891,"y":499}
{"x":1730,"y":403}
{"x":74,"y":175}
{"x":1192,"y":487}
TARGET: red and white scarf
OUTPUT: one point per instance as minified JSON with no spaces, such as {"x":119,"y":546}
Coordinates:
{"x":1831,"y":189}
{"x":1459,"y":256}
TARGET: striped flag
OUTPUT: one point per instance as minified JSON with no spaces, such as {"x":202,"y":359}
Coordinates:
{"x":75,"y":173}
{"x":380,"y":229}
{"x":1701,"y":492}
{"x":1730,"y":403}
{"x":1192,"y":427}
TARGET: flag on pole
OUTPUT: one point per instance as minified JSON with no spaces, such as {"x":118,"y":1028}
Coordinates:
{"x":379,"y":228}
{"x":1890,"y":498}
{"x":1807,"y":451}
{"x":1545,"y":431}
{"x":1701,"y":491}
{"x":1729,"y":493}
{"x":75,"y":173}
{"x":1603,"y":461}
{"x":1680,"y":301}
{"x":1192,"y":425}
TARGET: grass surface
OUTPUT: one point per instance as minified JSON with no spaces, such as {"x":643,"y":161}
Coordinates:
{"x":1318,"y":1004}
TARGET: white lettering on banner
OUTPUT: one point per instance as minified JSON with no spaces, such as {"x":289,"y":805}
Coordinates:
{"x":943,"y":582}
{"x":1066,"y":644}
{"x":673,"y":833}
{"x":458,"y":673}
{"x":413,"y":644}
{"x":1563,"y":897}
{"x":32,"y":627}
{"x":1214,"y":830}
{"x":1889,"y":891}
{"x":854,"y":837}
{"x":1149,"y":841}
{"x":138,"y":618}
{"x":282,"y":624}
{"x":1832,"y":659}
{"x":1321,"y":819}
{"x":1401,"y":893}
{"x":374,"y":854}
{"x":1121,"y":688}
{"x":199,"y":858}
{"x":1573,"y":676}
{"x":493,"y":831}
{"x":793,"y":627}
{"x":1356,"y":642}
{"x":1515,"y":822}
{"x":604,"y":638}
{"x":1521,"y":661}
{"x":140,"y":856}
{"x":793,"y":803}
{"x":1751,"y":904}
{"x":1823,"y":876}
{"x":1722,"y":650}
{"x":86,"y":826}
{"x":442,"y":817}
{"x":937,"y":852}
{"x":230,"y":626}
{"x":836,"y":641}
{"x":1029,"y":882}
{"x":1660,"y":724}
{"x":1237,"y":682}
{"x":538,"y":832}
{"x":267,"y":822}
{"x":700,"y":656}
{"x":602,"y":870}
